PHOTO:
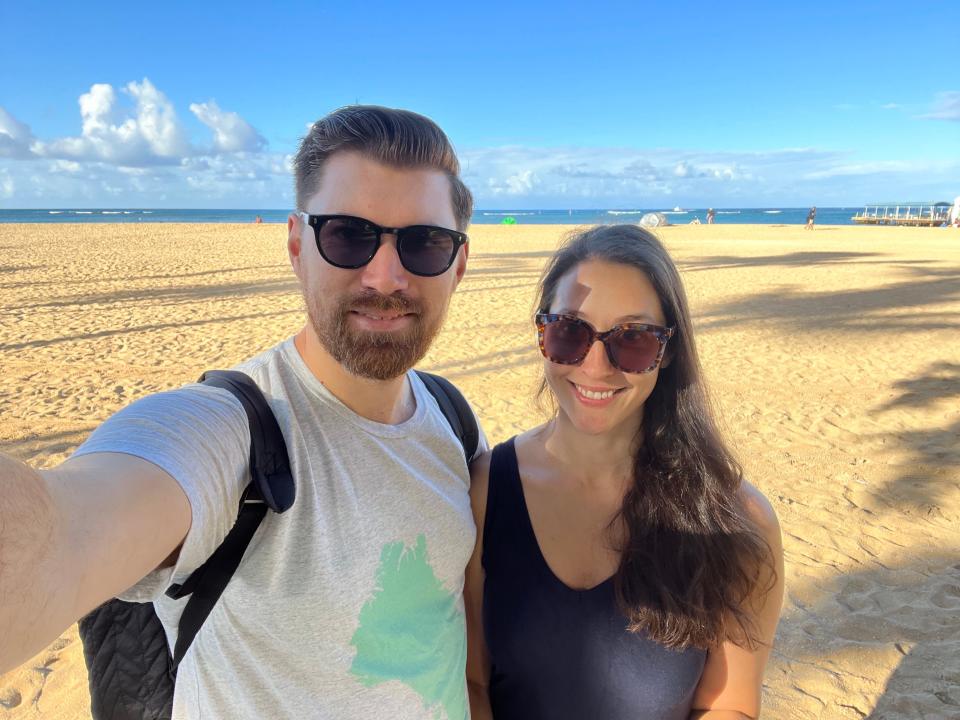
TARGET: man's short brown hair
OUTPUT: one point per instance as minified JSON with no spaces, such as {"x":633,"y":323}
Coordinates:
{"x":399,"y":138}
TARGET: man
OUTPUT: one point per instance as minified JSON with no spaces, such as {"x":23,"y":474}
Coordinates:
{"x":349,"y":604}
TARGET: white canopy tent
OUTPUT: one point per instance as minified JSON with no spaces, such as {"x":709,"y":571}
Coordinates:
{"x":955,"y":211}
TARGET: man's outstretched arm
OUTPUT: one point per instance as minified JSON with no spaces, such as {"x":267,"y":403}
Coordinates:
{"x":75,"y":536}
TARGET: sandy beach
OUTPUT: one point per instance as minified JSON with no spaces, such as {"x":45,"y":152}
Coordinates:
{"x":833,"y":357}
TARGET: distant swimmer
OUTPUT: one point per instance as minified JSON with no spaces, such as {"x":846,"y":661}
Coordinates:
{"x":811,"y":216}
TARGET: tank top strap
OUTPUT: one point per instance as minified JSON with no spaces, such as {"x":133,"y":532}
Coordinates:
{"x":506,"y":527}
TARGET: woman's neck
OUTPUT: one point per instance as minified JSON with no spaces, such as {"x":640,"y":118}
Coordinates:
{"x":603,"y":460}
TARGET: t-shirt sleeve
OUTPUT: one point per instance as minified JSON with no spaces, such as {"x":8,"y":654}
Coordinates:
{"x":199,"y":435}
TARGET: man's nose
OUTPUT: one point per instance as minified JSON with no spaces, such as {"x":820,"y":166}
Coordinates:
{"x":385,"y":273}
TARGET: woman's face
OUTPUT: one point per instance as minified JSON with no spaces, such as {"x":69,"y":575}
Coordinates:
{"x":604,"y":294}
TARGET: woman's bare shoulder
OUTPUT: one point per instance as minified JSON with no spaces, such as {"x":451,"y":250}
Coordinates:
{"x":759,"y":510}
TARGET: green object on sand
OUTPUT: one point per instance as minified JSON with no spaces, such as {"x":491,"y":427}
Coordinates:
{"x":509,"y":220}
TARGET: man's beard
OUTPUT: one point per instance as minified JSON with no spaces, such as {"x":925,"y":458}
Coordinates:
{"x":374,"y":355}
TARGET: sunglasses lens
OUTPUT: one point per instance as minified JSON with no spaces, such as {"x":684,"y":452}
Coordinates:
{"x":427,"y":251}
{"x":566,"y":340}
{"x":347,"y":242}
{"x":635,"y":350}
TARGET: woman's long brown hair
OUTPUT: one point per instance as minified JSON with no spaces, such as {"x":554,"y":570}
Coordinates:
{"x":691,"y":555}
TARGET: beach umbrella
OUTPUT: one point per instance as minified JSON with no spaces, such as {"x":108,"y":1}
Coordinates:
{"x":654,"y":219}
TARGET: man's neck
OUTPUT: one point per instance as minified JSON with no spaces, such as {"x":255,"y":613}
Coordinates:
{"x":383,"y":401}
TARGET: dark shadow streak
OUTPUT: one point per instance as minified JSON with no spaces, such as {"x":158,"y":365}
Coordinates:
{"x":19,"y":268}
{"x":522,"y":350}
{"x":930,"y":481}
{"x":878,"y":606}
{"x":484,"y":369}
{"x":530,"y":286}
{"x":848,"y":309}
{"x":144,"y":328}
{"x":170,"y":294}
{"x":137,"y":278}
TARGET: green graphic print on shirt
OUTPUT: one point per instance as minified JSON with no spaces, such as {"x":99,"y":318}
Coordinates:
{"x":411,"y":630}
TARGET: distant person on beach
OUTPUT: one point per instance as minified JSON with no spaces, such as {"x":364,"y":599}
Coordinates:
{"x":811,"y":216}
{"x":953,"y":217}
{"x":258,"y":220}
{"x":624,"y":568}
{"x":349,"y":604}
{"x":711,"y":216}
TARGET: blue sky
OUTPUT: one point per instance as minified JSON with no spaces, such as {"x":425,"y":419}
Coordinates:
{"x":550,"y":105}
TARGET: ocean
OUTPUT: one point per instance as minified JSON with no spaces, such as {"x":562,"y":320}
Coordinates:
{"x":724,"y":216}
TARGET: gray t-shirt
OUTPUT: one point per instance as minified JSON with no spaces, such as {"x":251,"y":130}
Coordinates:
{"x":350,"y":604}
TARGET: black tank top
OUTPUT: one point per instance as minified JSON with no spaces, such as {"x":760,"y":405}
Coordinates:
{"x":559,"y":653}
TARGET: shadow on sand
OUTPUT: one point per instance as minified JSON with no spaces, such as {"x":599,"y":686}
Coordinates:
{"x":905,"y":611}
{"x":144,"y":328}
{"x":903,"y":306}
{"x":903,"y":616}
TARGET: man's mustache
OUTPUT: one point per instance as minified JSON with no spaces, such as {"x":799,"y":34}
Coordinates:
{"x":396,"y":303}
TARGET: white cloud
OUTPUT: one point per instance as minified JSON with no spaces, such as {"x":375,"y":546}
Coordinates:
{"x":871,"y":169}
{"x":67,"y":166}
{"x":15,"y":137}
{"x":132,"y":148}
{"x":231,"y":133}
{"x":519,"y":183}
{"x":890,"y":106}
{"x":137,"y":127}
{"x":6,"y":184}
{"x":149,"y":135}
{"x":158,"y":121}
{"x":625,"y":176}
{"x":946,"y":107}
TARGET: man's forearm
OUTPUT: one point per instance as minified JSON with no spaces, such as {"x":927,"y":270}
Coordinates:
{"x":28,"y":532}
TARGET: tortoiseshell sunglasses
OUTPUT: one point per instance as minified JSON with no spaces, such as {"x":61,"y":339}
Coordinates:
{"x":631,"y":347}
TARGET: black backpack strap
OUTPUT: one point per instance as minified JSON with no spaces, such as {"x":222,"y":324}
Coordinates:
{"x":269,"y":463}
{"x":271,"y":487}
{"x":207,"y":583}
{"x":456,"y":410}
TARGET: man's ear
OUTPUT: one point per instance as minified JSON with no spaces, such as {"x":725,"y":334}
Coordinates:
{"x":294,"y":241}
{"x":461,"y":263}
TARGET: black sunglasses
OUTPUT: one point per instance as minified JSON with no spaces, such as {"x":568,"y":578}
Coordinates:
{"x":350,"y":242}
{"x":631,"y":347}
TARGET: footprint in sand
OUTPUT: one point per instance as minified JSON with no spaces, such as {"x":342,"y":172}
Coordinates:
{"x":947,"y":597}
{"x":10,"y":699}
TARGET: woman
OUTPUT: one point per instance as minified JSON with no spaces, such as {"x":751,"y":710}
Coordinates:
{"x":623,"y":568}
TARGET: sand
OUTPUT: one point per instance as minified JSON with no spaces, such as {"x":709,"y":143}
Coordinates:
{"x":833,"y":356}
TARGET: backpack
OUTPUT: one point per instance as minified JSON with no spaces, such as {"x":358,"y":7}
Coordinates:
{"x":131,"y":669}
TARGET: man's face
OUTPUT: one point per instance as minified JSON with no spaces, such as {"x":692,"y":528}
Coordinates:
{"x":376,"y":321}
